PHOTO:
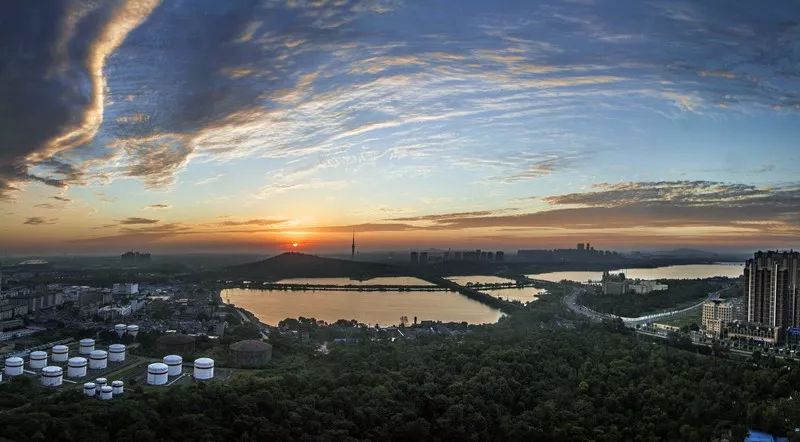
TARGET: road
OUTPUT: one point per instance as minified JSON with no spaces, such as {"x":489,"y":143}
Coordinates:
{"x":571,"y":302}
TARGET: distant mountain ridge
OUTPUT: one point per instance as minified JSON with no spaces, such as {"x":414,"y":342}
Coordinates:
{"x":298,"y":265}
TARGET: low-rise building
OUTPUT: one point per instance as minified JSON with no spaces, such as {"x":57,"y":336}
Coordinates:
{"x":750,"y":331}
{"x":125,"y":289}
{"x":642,"y":287}
{"x":614,"y":284}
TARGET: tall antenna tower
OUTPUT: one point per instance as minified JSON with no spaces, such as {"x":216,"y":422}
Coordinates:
{"x":353,"y":246}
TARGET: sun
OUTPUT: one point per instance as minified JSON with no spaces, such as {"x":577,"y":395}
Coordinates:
{"x":294,"y":244}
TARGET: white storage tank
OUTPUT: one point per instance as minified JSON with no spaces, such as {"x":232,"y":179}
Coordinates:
{"x":76,"y":367}
{"x":117,"y":388}
{"x":98,"y":359}
{"x":86,"y":346}
{"x":133,"y":330}
{"x":100,"y":383}
{"x":89,"y":389}
{"x":59,"y":353}
{"x":175,"y":364}
{"x":106,"y":393}
{"x":52,"y":376}
{"x":37,"y":360}
{"x":116,"y":353}
{"x":203,"y":368}
{"x":14,"y":366}
{"x":120,"y":329}
{"x":157,"y":373}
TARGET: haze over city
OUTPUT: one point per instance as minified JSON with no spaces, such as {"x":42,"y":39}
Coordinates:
{"x":252,"y":126}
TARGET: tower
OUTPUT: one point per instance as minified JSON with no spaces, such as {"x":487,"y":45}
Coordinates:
{"x":771,"y":288}
{"x":353,"y":246}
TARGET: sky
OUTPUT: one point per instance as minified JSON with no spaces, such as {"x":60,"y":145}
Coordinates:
{"x":244,"y":125}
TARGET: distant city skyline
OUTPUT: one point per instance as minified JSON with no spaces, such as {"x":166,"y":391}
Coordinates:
{"x":252,"y":126}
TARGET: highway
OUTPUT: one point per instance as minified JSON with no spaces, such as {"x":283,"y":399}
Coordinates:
{"x":571,"y":302}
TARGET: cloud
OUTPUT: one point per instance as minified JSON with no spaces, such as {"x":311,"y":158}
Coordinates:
{"x":61,"y":198}
{"x":136,"y":220}
{"x":58,"y":52}
{"x":160,"y":206}
{"x":634,"y":205}
{"x":37,"y":221}
{"x":252,"y":222}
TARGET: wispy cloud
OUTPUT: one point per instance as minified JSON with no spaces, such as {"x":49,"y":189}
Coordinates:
{"x":160,"y":206}
{"x":37,"y":221}
{"x":137,"y":220}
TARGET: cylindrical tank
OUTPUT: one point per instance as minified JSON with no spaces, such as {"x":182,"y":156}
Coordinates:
{"x":117,"y":388}
{"x":86,"y":346}
{"x":59,"y":353}
{"x":133,"y":330}
{"x":89,"y":389}
{"x":52,"y":376}
{"x":116,"y":353}
{"x":106,"y":393}
{"x":98,"y":359}
{"x":203,"y":368}
{"x":176,"y":344}
{"x":100,"y":383}
{"x":37,"y":360}
{"x":250,"y":353}
{"x":76,"y":367}
{"x":120,"y":329}
{"x":157,"y":373}
{"x":14,"y":366}
{"x":175,"y":364}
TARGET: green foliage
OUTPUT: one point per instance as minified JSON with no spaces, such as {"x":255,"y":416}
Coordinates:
{"x":521,"y":379}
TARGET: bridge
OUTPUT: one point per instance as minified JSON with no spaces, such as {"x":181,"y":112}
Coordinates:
{"x":346,"y":287}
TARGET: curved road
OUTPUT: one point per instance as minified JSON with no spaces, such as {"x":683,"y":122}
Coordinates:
{"x":571,"y":302}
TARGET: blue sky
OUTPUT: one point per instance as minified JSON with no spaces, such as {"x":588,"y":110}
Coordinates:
{"x":246,"y":124}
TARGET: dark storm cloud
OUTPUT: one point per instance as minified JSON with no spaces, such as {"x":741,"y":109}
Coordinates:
{"x":50,"y":79}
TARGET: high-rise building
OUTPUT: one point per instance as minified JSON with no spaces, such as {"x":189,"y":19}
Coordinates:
{"x":771,"y":289}
{"x":716,"y":313}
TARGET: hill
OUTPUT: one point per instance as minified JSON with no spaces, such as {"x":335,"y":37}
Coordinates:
{"x":298,"y":265}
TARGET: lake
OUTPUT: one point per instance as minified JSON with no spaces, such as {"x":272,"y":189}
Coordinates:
{"x":688,"y":271}
{"x":524,"y":294}
{"x":384,"y":308}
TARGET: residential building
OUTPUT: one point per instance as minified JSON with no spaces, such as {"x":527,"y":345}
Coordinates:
{"x":771,"y":289}
{"x":716,"y":313}
{"x":642,"y":287}
{"x":614,"y":284}
{"x":749,"y":331}
{"x":127,"y":288}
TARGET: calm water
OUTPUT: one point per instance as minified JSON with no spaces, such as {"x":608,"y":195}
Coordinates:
{"x":383,"y":280}
{"x":688,"y":271}
{"x":524,"y":295}
{"x":384,"y":308}
{"x":478,"y":279}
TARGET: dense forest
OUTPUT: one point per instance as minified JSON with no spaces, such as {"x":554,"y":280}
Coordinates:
{"x":536,"y":375}
{"x":680,"y":293}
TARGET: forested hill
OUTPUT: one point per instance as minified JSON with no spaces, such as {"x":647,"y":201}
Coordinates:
{"x":530,"y":377}
{"x":294,"y":265}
